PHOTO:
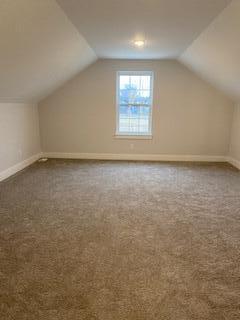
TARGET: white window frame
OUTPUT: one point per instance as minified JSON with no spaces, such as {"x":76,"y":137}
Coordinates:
{"x":129,"y":135}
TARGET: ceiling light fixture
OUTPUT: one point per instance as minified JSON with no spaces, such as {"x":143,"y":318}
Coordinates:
{"x":139,"y":43}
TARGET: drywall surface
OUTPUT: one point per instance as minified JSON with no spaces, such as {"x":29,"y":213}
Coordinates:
{"x":215,"y":53}
{"x":169,"y":27}
{"x":19,"y":133}
{"x":40,"y":49}
{"x":189,"y":116}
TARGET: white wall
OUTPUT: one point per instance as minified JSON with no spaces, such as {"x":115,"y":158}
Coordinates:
{"x":189,"y":116}
{"x":235,"y":136}
{"x":19,"y":133}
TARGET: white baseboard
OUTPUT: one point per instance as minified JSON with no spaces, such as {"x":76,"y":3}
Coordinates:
{"x":19,"y":166}
{"x":111,"y":156}
{"x":135,"y":157}
{"x":234,"y":162}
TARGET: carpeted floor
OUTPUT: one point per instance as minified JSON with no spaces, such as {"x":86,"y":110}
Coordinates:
{"x":101,"y":240}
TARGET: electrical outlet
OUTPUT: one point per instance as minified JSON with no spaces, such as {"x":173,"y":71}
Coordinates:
{"x":131,"y":146}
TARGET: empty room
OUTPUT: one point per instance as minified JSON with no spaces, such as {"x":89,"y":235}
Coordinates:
{"x":119,"y":159}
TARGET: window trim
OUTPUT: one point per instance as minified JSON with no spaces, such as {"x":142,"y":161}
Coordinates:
{"x":134,"y":135}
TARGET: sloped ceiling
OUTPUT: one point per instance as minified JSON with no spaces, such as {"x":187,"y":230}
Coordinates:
{"x":40,"y":49}
{"x":215,"y":54}
{"x":168,"y":26}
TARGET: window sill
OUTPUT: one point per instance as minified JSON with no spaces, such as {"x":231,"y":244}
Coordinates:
{"x":133,"y":137}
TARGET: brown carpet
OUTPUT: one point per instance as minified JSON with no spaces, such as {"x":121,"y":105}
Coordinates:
{"x":106,"y":240}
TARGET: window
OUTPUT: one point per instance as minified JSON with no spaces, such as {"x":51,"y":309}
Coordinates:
{"x":134,"y":103}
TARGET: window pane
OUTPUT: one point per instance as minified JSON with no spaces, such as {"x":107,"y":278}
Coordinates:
{"x":124,"y":81}
{"x":134,"y":96}
{"x":138,"y":82}
{"x":134,"y":119}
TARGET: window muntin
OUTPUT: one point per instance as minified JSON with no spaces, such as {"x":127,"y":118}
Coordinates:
{"x":134,"y":103}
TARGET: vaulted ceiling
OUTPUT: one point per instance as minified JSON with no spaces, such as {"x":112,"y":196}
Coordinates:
{"x":169,"y":26}
{"x":40,"y":49}
{"x":45,"y":43}
{"x":215,"y":54}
